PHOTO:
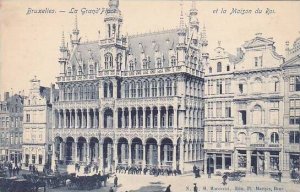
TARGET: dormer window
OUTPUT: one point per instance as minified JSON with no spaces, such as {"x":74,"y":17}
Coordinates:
{"x":108,"y":61}
{"x":91,"y":69}
{"x":219,"y":67}
{"x":228,"y":68}
{"x":258,"y":61}
{"x":159,"y":63}
{"x":131,"y":65}
{"x":144,"y":63}
{"x":119,"y":61}
{"x":69,"y":71}
{"x":173,"y":61}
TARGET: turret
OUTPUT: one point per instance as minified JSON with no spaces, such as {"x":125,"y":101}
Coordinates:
{"x":193,"y":22}
{"x":63,"y":55}
{"x":113,"y":20}
{"x":181,"y":47}
{"x":75,"y":40}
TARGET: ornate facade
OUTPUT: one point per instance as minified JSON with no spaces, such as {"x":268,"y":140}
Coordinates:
{"x":134,"y":100}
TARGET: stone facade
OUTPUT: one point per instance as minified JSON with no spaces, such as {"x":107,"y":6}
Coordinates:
{"x":134,"y":100}
{"x":11,"y":129}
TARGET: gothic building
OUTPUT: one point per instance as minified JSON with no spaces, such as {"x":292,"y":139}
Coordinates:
{"x":131,"y":100}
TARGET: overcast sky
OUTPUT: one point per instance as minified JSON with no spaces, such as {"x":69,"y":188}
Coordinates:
{"x":29,"y":44}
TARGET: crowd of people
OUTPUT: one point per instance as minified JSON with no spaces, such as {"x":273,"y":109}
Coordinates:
{"x":12,"y":169}
{"x":147,"y":170}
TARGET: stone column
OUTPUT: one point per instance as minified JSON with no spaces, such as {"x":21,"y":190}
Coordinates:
{"x":76,"y":155}
{"x":174,"y":157}
{"x":88,"y":119}
{"x":65,"y":118}
{"x":59,"y":119}
{"x":115,"y":150}
{"x":158,"y":118}
{"x":76,"y":118}
{"x":267,"y":160}
{"x":136,"y":118}
{"x":101,"y":122}
{"x":158,"y":155}
{"x":150,"y":154}
{"x":115,"y":119}
{"x":181,"y":157}
{"x":100,"y":157}
{"x":136,"y":152}
{"x":123,"y":118}
{"x":129,"y":154}
{"x":186,"y":146}
{"x":151,"y":118}
{"x":223,"y":161}
{"x":248,"y":161}
{"x":175,"y":119}
{"x":144,"y":155}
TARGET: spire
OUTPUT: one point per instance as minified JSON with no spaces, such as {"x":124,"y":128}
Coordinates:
{"x":203,"y":34}
{"x":75,"y":39}
{"x":194,"y":4}
{"x":181,"y":23}
{"x":63,"y":40}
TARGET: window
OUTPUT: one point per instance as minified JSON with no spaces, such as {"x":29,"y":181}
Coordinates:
{"x":210,"y":136}
{"x":91,"y":69}
{"x":69,"y":71}
{"x":276,"y":86}
{"x":227,"y":85}
{"x":218,"y":161}
{"x":169,"y":150}
{"x":219,"y":86}
{"x":133,"y":90}
{"x":219,"y":109}
{"x":258,"y":61}
{"x":131,"y":65}
{"x":257,"y":137}
{"x":158,"y":63}
{"x":27,"y":118}
{"x":161,"y":87}
{"x":274,"y":117}
{"x":169,"y":87}
{"x":257,"y":115}
{"x":119,"y":61}
{"x":295,"y":111}
{"x":173,"y":61}
{"x":295,"y":83}
{"x":274,"y":161}
{"x":33,"y":159}
{"x":242,"y":159}
{"x":154,"y":88}
{"x":241,"y":88}
{"x":227,"y":161}
{"x":294,"y":137}
{"x":219,"y":67}
{"x":228,"y":68}
{"x":108,"y":61}
{"x":227,"y":134}
{"x":210,"y":70}
{"x":210,"y":109}
{"x":274,"y":137}
{"x":210,"y":87}
{"x":145,"y":64}
{"x":140,"y":89}
{"x":219,"y":134}
{"x":242,"y":117}
{"x":227,"y":109}
{"x":40,"y":159}
{"x":147,"y":89}
{"x":175,"y":87}
{"x":126,"y":85}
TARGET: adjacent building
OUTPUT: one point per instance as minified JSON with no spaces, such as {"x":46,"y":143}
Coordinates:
{"x":131,"y":100}
{"x":11,"y":129}
{"x":37,"y":126}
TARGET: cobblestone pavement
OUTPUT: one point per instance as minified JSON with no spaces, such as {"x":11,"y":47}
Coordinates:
{"x":185,"y":183}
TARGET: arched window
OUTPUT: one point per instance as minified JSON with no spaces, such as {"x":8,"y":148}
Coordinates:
{"x":195,"y":61}
{"x":219,"y":67}
{"x":132,"y":89}
{"x":92,"y":92}
{"x":105,"y":88}
{"x":126,"y":87}
{"x":131,"y":65}
{"x":161,"y":87}
{"x":242,"y":138}
{"x":159,"y":63}
{"x":79,"y":70}
{"x":140,"y":89}
{"x":228,"y":68}
{"x":69,"y":93}
{"x":274,"y":137}
{"x":65,"y":93}
{"x":257,"y":137}
{"x":111,"y":93}
{"x":80,"y":90}
{"x":119,"y":61}
{"x":210,"y":70}
{"x":147,"y":88}
{"x":87,"y":92}
{"x":175,"y":87}
{"x":257,"y":115}
{"x":108,"y":118}
{"x":145,"y":64}
{"x":154,"y":88}
{"x":242,"y":87}
{"x":75,"y":93}
{"x":173,"y":61}
{"x":169,"y":87}
{"x":108,"y":61}
{"x":276,"y":84}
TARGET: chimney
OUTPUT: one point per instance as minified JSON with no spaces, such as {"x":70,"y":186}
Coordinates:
{"x":6,"y":95}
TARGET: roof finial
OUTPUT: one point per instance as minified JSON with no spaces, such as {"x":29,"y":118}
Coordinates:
{"x":219,"y":43}
{"x":193,"y":4}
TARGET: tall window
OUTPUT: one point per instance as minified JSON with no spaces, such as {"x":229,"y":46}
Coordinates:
{"x":210,"y":109}
{"x":108,"y":61}
{"x":161,"y":87}
{"x":91,"y":69}
{"x":175,"y":87}
{"x":294,"y":137}
{"x":219,"y":67}
{"x":227,"y":85}
{"x":209,"y":87}
{"x":219,"y":134}
{"x":159,"y":63}
{"x":210,"y":135}
{"x":27,"y":118}
{"x":257,"y":115}
{"x":227,"y":134}
{"x":169,"y":87}
{"x":140,"y":89}
{"x":210,"y":70}
{"x":131,"y":65}
{"x":126,"y":86}
{"x":119,"y":61}
{"x":295,"y":111}
{"x":173,"y":61}
{"x":147,"y":89}
{"x":219,"y":86}
{"x":69,"y":71}
{"x":133,"y":89}
{"x":295,"y":83}
{"x":227,"y":109}
{"x":219,"y":109}
{"x":154,"y":88}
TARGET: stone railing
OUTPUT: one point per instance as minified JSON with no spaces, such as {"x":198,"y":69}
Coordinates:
{"x":76,"y":104}
{"x":151,"y":101}
{"x":76,"y":78}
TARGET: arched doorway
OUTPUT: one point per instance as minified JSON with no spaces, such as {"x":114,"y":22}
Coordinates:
{"x":210,"y":164}
{"x":137,"y":151}
{"x":94,"y":150}
{"x":166,"y":153}
{"x":151,"y":152}
{"x":123,"y":151}
{"x":108,"y":153}
{"x":70,"y":150}
{"x":82,"y":149}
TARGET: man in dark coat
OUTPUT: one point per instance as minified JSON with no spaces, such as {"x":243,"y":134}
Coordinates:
{"x":168,"y":189}
{"x":116,"y":181}
{"x":195,"y":187}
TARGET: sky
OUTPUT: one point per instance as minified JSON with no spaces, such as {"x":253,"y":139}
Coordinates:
{"x":29,"y":43}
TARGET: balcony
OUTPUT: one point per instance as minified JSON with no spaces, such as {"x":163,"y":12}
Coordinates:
{"x":76,"y":104}
{"x":151,"y":101}
{"x":75,"y":78}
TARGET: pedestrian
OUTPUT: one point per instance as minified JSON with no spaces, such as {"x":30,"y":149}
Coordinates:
{"x":209,"y":174}
{"x":168,"y":189}
{"x":224,"y":179}
{"x":116,"y":181}
{"x":195,"y":187}
{"x":279,"y":176}
{"x":17,"y":169}
{"x":111,"y":189}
